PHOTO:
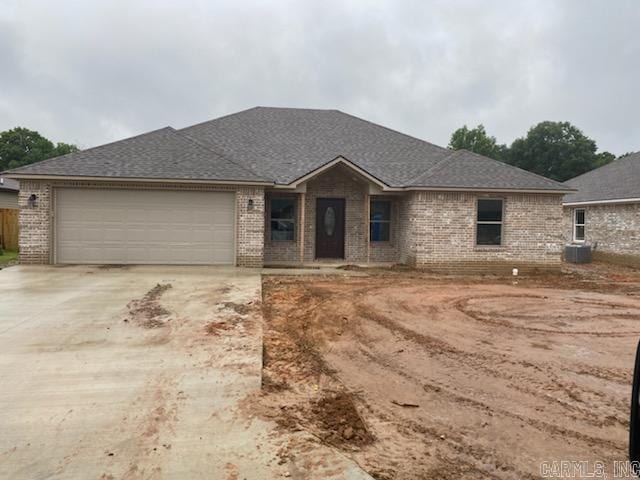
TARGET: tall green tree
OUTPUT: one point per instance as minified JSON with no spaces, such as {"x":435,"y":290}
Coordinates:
{"x":477,"y":140}
{"x":21,"y":146}
{"x":557,"y":150}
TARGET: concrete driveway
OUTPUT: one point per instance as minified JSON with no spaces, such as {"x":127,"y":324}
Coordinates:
{"x":133,"y":372}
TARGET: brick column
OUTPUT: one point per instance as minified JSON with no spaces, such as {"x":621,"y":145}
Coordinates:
{"x":250,"y":228}
{"x":35,"y":222}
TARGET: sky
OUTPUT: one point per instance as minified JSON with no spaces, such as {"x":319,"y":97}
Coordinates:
{"x":90,"y":72}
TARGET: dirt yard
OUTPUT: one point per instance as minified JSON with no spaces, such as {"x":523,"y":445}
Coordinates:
{"x":418,"y":376}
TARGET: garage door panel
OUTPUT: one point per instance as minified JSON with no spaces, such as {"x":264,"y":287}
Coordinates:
{"x":144,"y":226}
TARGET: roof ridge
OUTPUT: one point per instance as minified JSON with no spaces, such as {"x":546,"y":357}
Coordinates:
{"x":221,"y":155}
{"x":211,"y":120}
{"x":300,"y":108}
{"x":390,"y":129}
{"x":70,"y":154}
{"x":430,"y":169}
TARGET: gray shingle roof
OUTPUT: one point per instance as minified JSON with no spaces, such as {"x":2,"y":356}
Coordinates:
{"x":617,"y":180}
{"x":280,"y":145}
{"x":8,"y":185}
{"x":160,"y":154}
{"x":288,"y":143}
{"x":464,"y":169}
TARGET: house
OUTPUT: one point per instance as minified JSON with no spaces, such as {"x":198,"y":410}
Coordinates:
{"x":605,"y":210}
{"x":8,"y":194}
{"x":287,"y":186}
{"x":8,"y":213}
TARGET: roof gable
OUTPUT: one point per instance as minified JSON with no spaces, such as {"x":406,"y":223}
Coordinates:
{"x":338,"y":161}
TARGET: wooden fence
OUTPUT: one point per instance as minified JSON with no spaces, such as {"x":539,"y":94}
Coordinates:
{"x":9,"y":228}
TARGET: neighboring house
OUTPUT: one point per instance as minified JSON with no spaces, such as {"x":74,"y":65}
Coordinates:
{"x":9,"y":213}
{"x":287,"y":186}
{"x":605,"y":211}
{"x":8,"y":193}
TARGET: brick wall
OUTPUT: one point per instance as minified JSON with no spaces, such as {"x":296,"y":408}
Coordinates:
{"x":615,"y":229}
{"x":429,"y":229}
{"x":439,"y":232}
{"x":250,"y":227}
{"x":36,"y":224}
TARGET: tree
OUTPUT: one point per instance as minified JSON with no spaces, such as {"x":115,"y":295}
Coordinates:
{"x":476,"y":140}
{"x":557,"y":150}
{"x":603,"y":158}
{"x":21,"y":146}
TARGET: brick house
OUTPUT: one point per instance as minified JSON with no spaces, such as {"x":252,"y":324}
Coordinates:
{"x":605,"y":210}
{"x":287,"y":186}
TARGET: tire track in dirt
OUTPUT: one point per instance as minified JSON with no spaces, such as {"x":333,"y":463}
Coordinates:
{"x":462,"y":305}
{"x":479,"y":362}
{"x":457,"y":398}
{"x":446,"y":436}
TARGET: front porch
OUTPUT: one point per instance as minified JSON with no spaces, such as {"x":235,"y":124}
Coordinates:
{"x":334,"y":218}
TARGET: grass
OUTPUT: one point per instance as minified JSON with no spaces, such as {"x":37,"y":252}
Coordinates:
{"x":8,"y":256}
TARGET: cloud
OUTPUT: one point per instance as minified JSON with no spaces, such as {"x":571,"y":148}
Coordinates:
{"x":92,"y":72}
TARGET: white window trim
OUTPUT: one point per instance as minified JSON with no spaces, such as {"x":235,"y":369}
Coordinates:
{"x":292,"y":220}
{"x":371,"y":222}
{"x":583,"y":225}
{"x":485,"y":222}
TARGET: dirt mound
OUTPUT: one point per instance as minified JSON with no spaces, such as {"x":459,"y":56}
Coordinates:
{"x":336,"y":414}
{"x":147,"y":312}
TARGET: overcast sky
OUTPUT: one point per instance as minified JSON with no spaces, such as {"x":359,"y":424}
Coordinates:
{"x":89,"y":72}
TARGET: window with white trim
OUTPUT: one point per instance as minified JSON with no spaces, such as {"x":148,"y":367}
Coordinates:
{"x":578,"y":224}
{"x":283,"y":215}
{"x":489,"y":221}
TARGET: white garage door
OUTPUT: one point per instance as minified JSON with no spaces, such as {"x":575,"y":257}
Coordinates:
{"x":102,"y":226}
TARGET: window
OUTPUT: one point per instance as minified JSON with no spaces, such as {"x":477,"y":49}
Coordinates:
{"x":578,"y":225}
{"x":489,"y":224}
{"x":283,"y":211}
{"x":380,"y":221}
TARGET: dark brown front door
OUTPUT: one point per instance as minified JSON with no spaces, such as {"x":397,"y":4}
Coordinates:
{"x":330,"y":228}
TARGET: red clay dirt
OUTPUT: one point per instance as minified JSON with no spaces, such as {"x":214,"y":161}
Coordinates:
{"x":147,"y":311}
{"x":417,"y":376}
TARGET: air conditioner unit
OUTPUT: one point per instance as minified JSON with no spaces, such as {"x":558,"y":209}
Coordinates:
{"x":577,"y":253}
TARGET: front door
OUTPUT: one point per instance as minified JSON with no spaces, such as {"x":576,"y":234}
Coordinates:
{"x":330,"y":228}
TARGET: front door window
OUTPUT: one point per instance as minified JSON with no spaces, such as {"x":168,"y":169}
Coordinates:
{"x":329,"y":221}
